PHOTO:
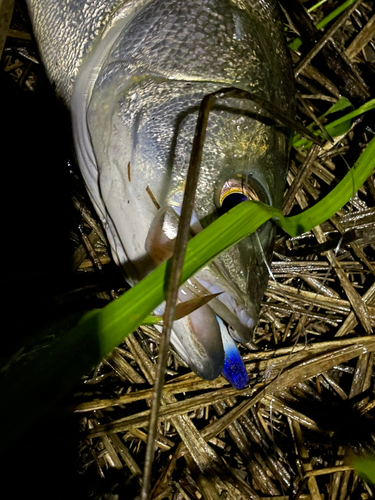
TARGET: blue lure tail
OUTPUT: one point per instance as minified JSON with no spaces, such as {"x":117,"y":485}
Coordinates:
{"x":234,"y":369}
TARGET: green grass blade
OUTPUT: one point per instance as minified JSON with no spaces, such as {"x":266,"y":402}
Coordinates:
{"x":311,"y":9}
{"x":340,"y":105}
{"x":40,"y":382}
{"x":335,"y":13}
{"x":364,"y":467}
{"x":333,"y":127}
{"x":297,"y":42}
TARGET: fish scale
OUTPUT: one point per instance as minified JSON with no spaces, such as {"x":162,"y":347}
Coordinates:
{"x":133,"y":75}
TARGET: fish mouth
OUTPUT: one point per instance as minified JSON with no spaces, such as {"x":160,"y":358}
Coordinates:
{"x":206,"y":338}
{"x":228,"y":308}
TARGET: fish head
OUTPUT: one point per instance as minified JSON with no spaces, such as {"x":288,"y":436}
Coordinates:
{"x":133,"y":75}
{"x":142,"y":139}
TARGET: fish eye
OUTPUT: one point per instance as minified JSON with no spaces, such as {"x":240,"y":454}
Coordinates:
{"x":236,"y":191}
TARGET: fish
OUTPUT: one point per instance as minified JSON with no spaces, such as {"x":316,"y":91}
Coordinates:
{"x":133,"y":74}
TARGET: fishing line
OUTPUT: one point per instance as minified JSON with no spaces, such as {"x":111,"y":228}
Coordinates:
{"x":350,"y":170}
{"x":330,"y":267}
{"x":293,"y":310}
{"x":303,"y":330}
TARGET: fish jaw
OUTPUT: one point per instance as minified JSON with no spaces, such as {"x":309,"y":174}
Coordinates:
{"x":205,"y":343}
{"x":202,"y":338}
{"x":197,"y":338}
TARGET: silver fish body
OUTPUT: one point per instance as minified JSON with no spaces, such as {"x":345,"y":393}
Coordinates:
{"x":133,"y":75}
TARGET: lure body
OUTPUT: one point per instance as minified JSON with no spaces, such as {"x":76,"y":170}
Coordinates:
{"x":133,"y":75}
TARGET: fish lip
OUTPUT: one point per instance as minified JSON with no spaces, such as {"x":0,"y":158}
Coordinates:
{"x":207,"y":372}
{"x":246,"y":323}
{"x":197,"y":338}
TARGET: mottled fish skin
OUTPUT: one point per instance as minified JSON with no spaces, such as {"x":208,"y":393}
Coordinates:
{"x":66,"y":31}
{"x":133,"y":75}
